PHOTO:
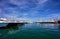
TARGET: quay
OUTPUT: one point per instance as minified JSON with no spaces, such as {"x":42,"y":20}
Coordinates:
{"x":54,"y":22}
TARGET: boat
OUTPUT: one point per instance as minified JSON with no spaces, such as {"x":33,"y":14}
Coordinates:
{"x":10,"y":23}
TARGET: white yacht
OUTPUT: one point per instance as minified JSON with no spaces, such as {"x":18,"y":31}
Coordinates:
{"x":4,"y":22}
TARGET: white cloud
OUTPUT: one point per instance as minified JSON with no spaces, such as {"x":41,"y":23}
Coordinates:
{"x":0,"y":10}
{"x":18,"y":2}
{"x":42,"y":1}
{"x":14,"y":14}
{"x":54,"y":16}
{"x":10,"y":16}
{"x":25,"y":14}
{"x":24,"y":2}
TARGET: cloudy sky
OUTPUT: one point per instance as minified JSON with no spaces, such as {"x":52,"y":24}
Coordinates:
{"x":30,"y":9}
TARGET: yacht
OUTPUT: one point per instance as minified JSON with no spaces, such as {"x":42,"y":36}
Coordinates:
{"x":5,"y":22}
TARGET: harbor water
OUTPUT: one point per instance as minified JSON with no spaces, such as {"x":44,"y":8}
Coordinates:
{"x":31,"y":31}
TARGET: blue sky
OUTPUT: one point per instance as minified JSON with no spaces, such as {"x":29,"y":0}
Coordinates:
{"x":30,"y":9}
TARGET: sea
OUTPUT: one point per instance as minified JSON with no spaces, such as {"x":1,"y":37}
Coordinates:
{"x":31,"y":31}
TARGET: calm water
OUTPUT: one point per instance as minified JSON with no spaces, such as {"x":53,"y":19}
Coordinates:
{"x":32,"y":31}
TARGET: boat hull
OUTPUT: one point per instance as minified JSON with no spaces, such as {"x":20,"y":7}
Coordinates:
{"x":9,"y":25}
{"x":3,"y":24}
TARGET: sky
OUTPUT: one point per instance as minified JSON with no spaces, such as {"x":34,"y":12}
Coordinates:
{"x":30,"y":9}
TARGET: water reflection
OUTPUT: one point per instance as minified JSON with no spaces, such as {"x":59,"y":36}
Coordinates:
{"x":59,"y":27}
{"x":32,"y":31}
{"x":52,"y":27}
{"x":10,"y":29}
